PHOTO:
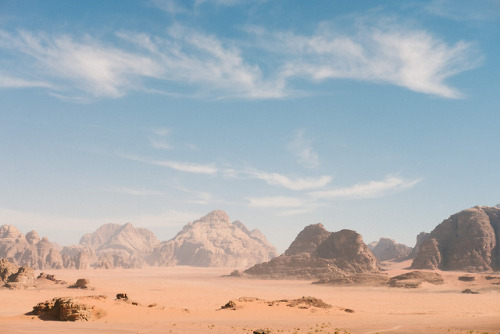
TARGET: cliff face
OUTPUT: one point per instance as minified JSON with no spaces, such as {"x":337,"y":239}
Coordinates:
{"x":213,"y":241}
{"x":468,"y":240}
{"x":319,"y":254}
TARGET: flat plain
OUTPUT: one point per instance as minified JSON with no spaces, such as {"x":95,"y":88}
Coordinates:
{"x":189,"y":300}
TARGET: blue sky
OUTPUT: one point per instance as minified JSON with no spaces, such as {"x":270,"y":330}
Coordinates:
{"x":382,"y":117}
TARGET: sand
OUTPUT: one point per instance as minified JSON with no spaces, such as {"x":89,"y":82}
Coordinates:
{"x":188,"y":300}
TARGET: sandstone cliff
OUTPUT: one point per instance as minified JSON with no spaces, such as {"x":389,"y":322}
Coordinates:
{"x":319,"y":254}
{"x":213,"y":241}
{"x":468,"y":240}
{"x":29,"y":250}
{"x":387,"y":249}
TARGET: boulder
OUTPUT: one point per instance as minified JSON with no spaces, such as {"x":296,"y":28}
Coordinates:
{"x":63,"y":309}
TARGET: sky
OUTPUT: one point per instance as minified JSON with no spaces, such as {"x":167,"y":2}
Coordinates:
{"x":377,"y":116}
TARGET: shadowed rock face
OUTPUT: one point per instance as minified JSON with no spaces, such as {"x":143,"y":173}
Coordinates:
{"x":387,"y":249}
{"x":213,"y":241}
{"x":319,"y":254}
{"x":468,"y":240}
{"x":308,"y":240}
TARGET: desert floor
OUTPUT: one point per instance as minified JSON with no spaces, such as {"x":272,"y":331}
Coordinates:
{"x":188,"y":300}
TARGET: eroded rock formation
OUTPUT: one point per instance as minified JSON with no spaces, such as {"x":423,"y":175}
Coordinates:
{"x":468,"y":240}
{"x":319,"y":254}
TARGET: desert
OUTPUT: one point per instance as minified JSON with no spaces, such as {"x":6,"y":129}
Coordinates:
{"x":325,"y":282}
{"x":186,"y":299}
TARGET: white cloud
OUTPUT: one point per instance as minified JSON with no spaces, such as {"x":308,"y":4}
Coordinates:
{"x":303,"y":150}
{"x":300,"y":183}
{"x":13,"y":82}
{"x":102,"y":71}
{"x":371,"y":189}
{"x":413,"y":59}
{"x":187,"y":62}
{"x":170,"y":6}
{"x":186,"y":167}
{"x":160,"y":144}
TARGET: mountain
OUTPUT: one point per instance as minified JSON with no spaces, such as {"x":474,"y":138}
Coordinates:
{"x":213,"y":241}
{"x":114,"y":245}
{"x":468,"y":240}
{"x":387,"y":249}
{"x":29,"y":250}
{"x":318,"y":254}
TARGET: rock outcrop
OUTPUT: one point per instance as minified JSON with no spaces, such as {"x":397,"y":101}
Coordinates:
{"x":15,"y":277}
{"x":29,"y":250}
{"x":213,"y":241}
{"x":387,"y":249}
{"x":468,"y":240}
{"x":319,"y":254}
{"x":66,"y":309}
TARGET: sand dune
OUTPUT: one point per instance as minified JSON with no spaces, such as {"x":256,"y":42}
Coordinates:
{"x":189,"y":300}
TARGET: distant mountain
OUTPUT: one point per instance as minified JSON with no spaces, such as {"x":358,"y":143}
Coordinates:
{"x":117,"y":245}
{"x":210,"y":241}
{"x":468,"y":240}
{"x":387,"y":249}
{"x":29,"y":250}
{"x":213,"y":241}
{"x":318,"y":254}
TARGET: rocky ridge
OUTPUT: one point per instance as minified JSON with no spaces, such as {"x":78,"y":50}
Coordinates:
{"x":322,"y":255}
{"x":468,"y":240}
{"x":210,"y":241}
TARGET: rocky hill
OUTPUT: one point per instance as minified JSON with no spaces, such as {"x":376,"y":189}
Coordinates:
{"x":468,"y":240}
{"x":319,"y":254}
{"x":114,"y":245}
{"x":387,"y":249}
{"x":213,"y":241}
{"x":29,"y":250}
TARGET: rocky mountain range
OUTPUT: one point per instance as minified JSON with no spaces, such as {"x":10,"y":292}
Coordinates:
{"x":387,"y":249}
{"x":319,"y":254}
{"x":468,"y":240}
{"x":210,"y":241}
{"x":213,"y":241}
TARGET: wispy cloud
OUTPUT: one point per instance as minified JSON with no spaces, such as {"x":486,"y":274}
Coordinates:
{"x":189,"y":62}
{"x":158,"y":139}
{"x":102,"y":71}
{"x":303,"y":150}
{"x":298,"y":183}
{"x":371,"y":189}
{"x":186,"y":167}
{"x":383,"y":53}
{"x":13,"y":82}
